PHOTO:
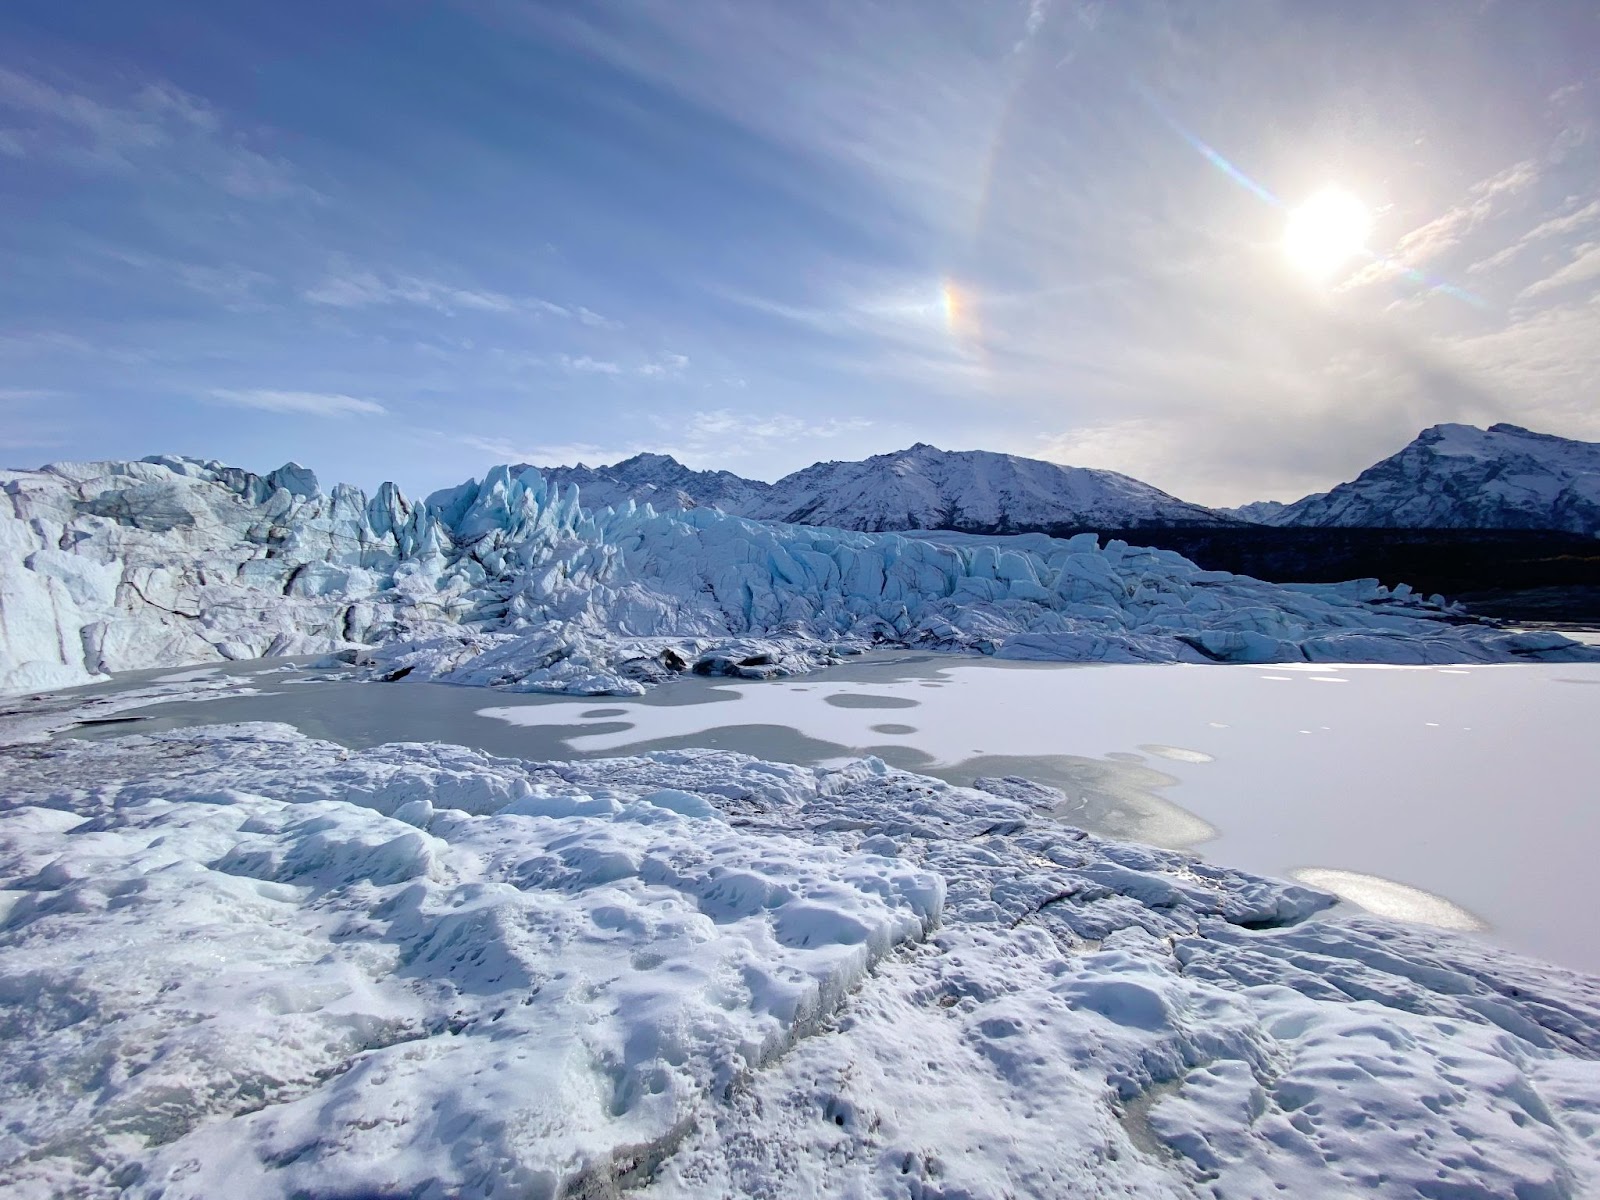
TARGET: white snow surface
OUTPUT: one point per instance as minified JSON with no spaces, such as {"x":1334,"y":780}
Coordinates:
{"x":237,"y":961}
{"x":114,"y":566}
{"x":1461,"y":477}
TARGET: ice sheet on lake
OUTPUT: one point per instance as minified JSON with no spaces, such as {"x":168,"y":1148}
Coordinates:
{"x":171,"y":561}
{"x":238,"y":961}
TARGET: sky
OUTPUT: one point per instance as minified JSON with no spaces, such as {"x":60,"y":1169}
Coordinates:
{"x":396,"y":239}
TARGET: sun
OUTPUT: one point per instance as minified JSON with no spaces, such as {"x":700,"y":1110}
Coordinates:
{"x":1326,"y":232}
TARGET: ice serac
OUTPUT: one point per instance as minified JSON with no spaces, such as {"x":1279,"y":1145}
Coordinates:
{"x":1462,"y":477}
{"x":119,"y":565}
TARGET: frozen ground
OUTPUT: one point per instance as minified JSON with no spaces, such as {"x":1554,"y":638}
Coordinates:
{"x":234,"y":961}
{"x":1456,"y":796}
{"x":1473,"y":784}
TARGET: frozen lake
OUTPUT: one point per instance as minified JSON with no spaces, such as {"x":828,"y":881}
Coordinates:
{"x":1457,"y":796}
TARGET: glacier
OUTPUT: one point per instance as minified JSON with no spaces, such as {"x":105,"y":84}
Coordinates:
{"x":509,"y":581}
{"x":237,"y":960}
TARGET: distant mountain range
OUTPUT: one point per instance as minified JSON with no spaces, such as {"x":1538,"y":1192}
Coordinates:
{"x":974,"y":491}
{"x":1451,"y":477}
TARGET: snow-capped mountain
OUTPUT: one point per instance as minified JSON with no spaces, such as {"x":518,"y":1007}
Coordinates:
{"x":660,"y":481}
{"x":1462,"y":477}
{"x":1258,"y":512}
{"x":119,"y":565}
{"x":974,"y":491}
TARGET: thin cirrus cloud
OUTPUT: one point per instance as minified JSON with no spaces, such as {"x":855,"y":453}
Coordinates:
{"x":159,"y":129}
{"x":664,"y":367}
{"x":316,"y":404}
{"x":354,"y":288}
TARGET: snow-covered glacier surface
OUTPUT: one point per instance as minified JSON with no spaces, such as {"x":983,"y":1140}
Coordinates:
{"x":237,"y":961}
{"x":124,"y":565}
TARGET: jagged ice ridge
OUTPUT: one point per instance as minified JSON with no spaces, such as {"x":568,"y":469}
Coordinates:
{"x":121,"y":565}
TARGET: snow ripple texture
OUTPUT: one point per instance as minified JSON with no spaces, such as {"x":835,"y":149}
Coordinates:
{"x":114,"y":566}
{"x":237,"y":961}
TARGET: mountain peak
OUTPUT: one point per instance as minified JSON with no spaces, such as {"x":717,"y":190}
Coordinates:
{"x":646,"y":458}
{"x":1458,"y":476}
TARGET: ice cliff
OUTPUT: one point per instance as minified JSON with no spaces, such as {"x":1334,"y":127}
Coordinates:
{"x":113,"y":566}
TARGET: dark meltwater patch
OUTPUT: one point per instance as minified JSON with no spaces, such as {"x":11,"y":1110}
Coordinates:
{"x":892,"y":728}
{"x":603,"y":712}
{"x":852,"y":700}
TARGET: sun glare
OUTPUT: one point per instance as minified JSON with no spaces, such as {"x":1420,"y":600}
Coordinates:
{"x":1326,"y":232}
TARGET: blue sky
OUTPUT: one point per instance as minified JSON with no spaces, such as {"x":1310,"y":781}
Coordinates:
{"x":396,"y":239}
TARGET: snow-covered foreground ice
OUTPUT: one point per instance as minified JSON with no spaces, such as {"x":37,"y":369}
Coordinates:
{"x":1453,"y":796}
{"x":120,"y":566}
{"x":235,"y":961}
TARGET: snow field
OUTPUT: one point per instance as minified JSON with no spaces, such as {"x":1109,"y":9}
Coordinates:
{"x":235,"y":960}
{"x":219,"y":984}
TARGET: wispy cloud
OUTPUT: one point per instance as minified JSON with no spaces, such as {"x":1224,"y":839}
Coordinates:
{"x":45,"y":343}
{"x":235,"y":287}
{"x":594,"y":320}
{"x":1427,"y":243}
{"x":505,"y":450}
{"x":667,"y":364}
{"x":352,"y":287}
{"x":1031,"y":24}
{"x":584,"y":365}
{"x":737,"y":434}
{"x":1552,"y":229}
{"x":157,"y":129}
{"x":361,"y":288}
{"x":1584,"y":267}
{"x":317,"y":404}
